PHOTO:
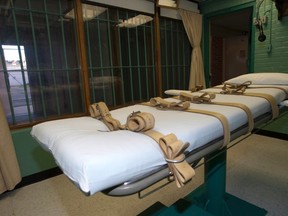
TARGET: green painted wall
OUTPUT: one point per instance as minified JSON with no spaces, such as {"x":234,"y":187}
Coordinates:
{"x":275,"y":60}
{"x":276,"y":32}
{"x":31,"y":157}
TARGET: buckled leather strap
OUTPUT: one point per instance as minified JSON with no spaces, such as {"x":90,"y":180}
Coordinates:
{"x":232,"y":88}
{"x":160,"y":103}
{"x":207,"y":97}
{"x":100,"y":111}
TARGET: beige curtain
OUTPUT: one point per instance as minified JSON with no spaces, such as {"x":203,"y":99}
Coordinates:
{"x":9,"y":168}
{"x":193,"y":26}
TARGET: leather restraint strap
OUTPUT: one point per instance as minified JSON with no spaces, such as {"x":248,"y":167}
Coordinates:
{"x":270,"y":99}
{"x":232,"y":88}
{"x":239,"y":89}
{"x":101,"y":112}
{"x":172,"y":148}
{"x":160,"y":103}
{"x":207,"y":98}
{"x":219,"y":116}
{"x":272,"y":87}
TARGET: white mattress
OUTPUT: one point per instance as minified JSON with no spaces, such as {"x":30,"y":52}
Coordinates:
{"x":96,"y":159}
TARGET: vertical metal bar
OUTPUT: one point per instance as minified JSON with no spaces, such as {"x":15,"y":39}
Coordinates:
{"x":130,"y":66}
{"x":101,"y":58}
{"x":65,"y":60}
{"x":21,"y":65}
{"x":166,"y":54}
{"x":157,"y":40}
{"x":121,"y":66}
{"x":179,"y":72}
{"x":172,"y":53}
{"x":51,"y":57}
{"x":152,"y":27}
{"x":111,"y":58}
{"x":184,"y":58}
{"x":138,"y":64}
{"x":90,"y":62}
{"x":36,"y":57}
{"x":7,"y":85}
{"x":145,"y":62}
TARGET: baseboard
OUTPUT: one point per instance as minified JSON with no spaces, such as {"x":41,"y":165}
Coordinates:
{"x":272,"y":134}
{"x":37,"y":177}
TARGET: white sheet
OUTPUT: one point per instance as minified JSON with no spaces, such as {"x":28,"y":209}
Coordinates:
{"x":97,"y":160}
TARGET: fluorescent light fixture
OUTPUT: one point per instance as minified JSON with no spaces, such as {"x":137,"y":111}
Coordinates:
{"x":135,"y":21}
{"x":167,"y":3}
{"x":89,"y":12}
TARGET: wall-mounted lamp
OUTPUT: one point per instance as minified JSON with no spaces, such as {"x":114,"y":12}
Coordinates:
{"x":89,"y":12}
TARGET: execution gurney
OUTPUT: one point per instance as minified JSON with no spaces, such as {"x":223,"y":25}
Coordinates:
{"x":123,"y":162}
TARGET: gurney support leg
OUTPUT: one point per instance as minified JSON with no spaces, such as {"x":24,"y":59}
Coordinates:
{"x":215,"y":183}
{"x":212,"y":196}
{"x":211,"y":199}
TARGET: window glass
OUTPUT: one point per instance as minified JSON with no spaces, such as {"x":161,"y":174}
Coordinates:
{"x":47,"y":68}
{"x":175,"y":54}
{"x":121,"y":56}
{"x":42,"y":79}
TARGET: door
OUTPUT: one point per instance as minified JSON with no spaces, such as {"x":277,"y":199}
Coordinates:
{"x":229,"y":45}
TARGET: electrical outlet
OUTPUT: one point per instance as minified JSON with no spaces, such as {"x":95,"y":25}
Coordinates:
{"x":269,"y":47}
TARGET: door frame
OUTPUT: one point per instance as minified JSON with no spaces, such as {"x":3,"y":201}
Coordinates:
{"x":207,"y":43}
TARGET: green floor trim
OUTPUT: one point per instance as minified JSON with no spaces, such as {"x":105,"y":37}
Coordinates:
{"x":277,"y":126}
{"x":231,"y":205}
{"x":154,"y":210}
{"x":184,"y":208}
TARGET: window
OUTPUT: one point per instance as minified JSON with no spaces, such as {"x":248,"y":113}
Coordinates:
{"x":16,"y":80}
{"x":48,"y":70}
{"x":47,"y":82}
{"x":175,"y":54}
{"x":121,"y":56}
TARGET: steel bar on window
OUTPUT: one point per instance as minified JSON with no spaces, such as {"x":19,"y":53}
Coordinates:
{"x":8,"y":88}
{"x":129,"y":56}
{"x":145,"y":62}
{"x":90,"y":63}
{"x":153,"y":60}
{"x":183,"y":57}
{"x":179,"y":72}
{"x":111,"y":58}
{"x":51,"y":58}
{"x":138,"y":63}
{"x":36,"y":58}
{"x":65,"y":60}
{"x":101,"y":58}
{"x":21,"y":66}
{"x":166,"y":54}
{"x":121,"y":66}
{"x":172,"y":59}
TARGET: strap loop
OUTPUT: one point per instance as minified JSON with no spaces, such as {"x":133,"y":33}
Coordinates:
{"x":160,"y":103}
{"x":233,"y":88}
{"x":101,"y":112}
{"x":203,"y":98}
